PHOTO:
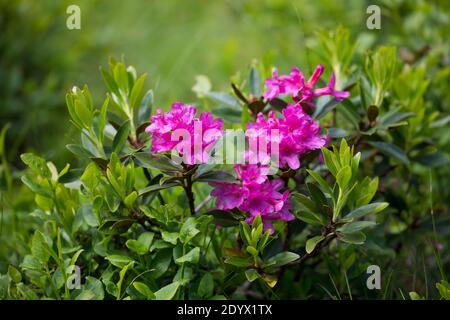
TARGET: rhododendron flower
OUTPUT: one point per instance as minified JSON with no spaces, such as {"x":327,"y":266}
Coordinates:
{"x":229,"y":195}
{"x":255,"y":195}
{"x":294,"y":85}
{"x":252,"y":173}
{"x":297,"y":132}
{"x":197,"y":133}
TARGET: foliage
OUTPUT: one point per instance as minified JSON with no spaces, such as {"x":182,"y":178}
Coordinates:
{"x":140,"y":225}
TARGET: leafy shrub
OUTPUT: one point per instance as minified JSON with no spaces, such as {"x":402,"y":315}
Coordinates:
{"x":140,"y":224}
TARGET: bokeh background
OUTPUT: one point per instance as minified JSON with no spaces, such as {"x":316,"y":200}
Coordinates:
{"x":174,"y":41}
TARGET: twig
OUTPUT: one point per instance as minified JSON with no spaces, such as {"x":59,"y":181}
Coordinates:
{"x":188,"y":172}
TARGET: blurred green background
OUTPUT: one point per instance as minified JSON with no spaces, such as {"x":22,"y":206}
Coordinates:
{"x":174,"y":41}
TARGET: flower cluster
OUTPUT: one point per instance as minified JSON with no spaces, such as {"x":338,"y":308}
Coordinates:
{"x":302,"y":92}
{"x":295,"y":133}
{"x":197,"y":133}
{"x":255,"y":194}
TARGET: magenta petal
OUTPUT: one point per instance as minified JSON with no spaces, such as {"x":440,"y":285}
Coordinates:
{"x":341,"y":95}
{"x":315,"y":76}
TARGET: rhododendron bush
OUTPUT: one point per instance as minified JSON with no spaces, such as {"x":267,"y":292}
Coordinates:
{"x":284,"y":185}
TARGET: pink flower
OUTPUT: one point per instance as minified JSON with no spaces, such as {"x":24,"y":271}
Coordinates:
{"x":251,"y":173}
{"x":255,"y":195}
{"x":297,"y":133}
{"x":196,"y":134}
{"x":263,"y":198}
{"x":294,"y":85}
{"x":329,"y":90}
{"x":229,"y":195}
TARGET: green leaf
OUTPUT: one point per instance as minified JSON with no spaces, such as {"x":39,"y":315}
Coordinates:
{"x":391,"y":150}
{"x":26,"y":292}
{"x":144,"y":290}
{"x":37,"y":164}
{"x":71,"y":176}
{"x":252,"y":250}
{"x":223,"y":218}
{"x":367,"y":209}
{"x":38,"y":189}
{"x":324,"y":109}
{"x":206,"y":286}
{"x":167,"y":292}
{"x":270,"y":280}
{"x":356,"y":226}
{"x":188,"y":230}
{"x":306,"y":202}
{"x":415,"y":296}
{"x":145,"y":109}
{"x":121,"y":137}
{"x":118,"y":260}
{"x":135,"y":95}
{"x":121,"y":77}
{"x":251,"y":275}
{"x":312,"y":243}
{"x":245,"y":232}
{"x":130,"y":199}
{"x":282,"y":259}
{"x":318,"y":198}
{"x":79,"y":151}
{"x":102,"y":119}
{"x":146,"y":239}
{"x":225,"y":99}
{"x":88,"y":215}
{"x":433,"y":160}
{"x":83,"y":113}
{"x":238,"y":261}
{"x":39,"y":248}
{"x":380,"y":68}
{"x":331,"y":161}
{"x":392,"y":118}
{"x":440,"y":122}
{"x":110,"y":83}
{"x":170,"y":237}
{"x":161,"y":262}
{"x":343,"y":177}
{"x":325,"y":187}
{"x":216,"y":176}
{"x":136,"y":246}
{"x":238,"y":93}
{"x":229,"y":114}
{"x":122,"y":274}
{"x":92,"y":290}
{"x":14,"y":274}
{"x":309,"y":217}
{"x":192,"y":256}
{"x":337,"y":133}
{"x":353,"y":238}
{"x":75,"y":256}
{"x":444,"y":289}
{"x":263,"y":241}
{"x":156,"y":161}
{"x":157,"y":187}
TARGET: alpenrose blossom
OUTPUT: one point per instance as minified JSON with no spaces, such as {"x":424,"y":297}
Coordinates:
{"x":297,"y":133}
{"x":302,"y":92}
{"x":180,"y":130}
{"x":254,"y":194}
